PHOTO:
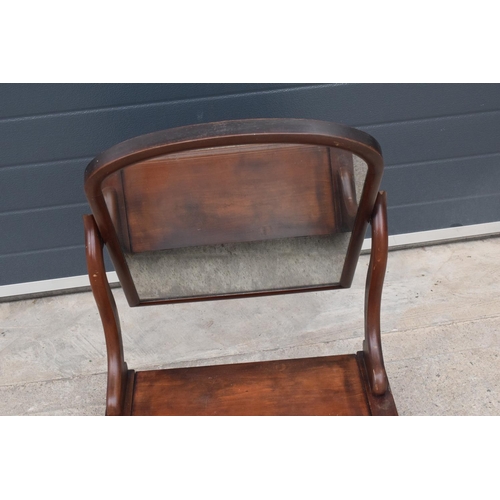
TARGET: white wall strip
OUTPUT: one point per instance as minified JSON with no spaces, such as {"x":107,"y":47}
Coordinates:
{"x":46,"y":286}
{"x":435,"y":237}
{"x":398,"y":241}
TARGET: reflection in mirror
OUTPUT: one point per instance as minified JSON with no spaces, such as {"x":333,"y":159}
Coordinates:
{"x":236,"y":219}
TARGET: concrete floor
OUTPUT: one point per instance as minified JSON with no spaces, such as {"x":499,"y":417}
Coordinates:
{"x":440,"y":323}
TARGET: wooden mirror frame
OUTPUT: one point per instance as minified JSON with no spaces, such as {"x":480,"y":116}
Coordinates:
{"x":240,"y":132}
{"x":100,"y":231}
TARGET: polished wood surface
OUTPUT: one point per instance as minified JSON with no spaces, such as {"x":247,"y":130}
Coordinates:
{"x":340,"y":385}
{"x":372,"y":344}
{"x":236,"y":133}
{"x":311,"y":386}
{"x":232,"y":194}
{"x":380,"y":405}
{"x":117,"y":368}
{"x":333,"y":385}
{"x":344,"y":186}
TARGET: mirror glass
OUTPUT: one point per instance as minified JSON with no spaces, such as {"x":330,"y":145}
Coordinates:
{"x":236,"y":219}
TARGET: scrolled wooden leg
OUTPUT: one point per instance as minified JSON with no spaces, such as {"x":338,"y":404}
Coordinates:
{"x":372,"y":345}
{"x":117,"y":368}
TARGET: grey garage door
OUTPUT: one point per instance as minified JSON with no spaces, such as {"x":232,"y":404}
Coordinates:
{"x":440,"y":142}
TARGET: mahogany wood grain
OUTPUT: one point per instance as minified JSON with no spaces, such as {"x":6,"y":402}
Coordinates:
{"x":380,"y":406}
{"x":129,"y":394}
{"x":372,"y":345}
{"x":117,"y":368}
{"x":344,"y":187}
{"x":114,"y":196}
{"x":312,"y":386}
{"x":228,"y":195}
{"x":233,"y":133}
{"x":123,"y":221}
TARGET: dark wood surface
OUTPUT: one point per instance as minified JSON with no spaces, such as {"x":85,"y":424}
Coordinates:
{"x":114,"y":197}
{"x":232,"y":194}
{"x":380,"y":405}
{"x":372,"y":344}
{"x":344,"y":183}
{"x":117,"y":368}
{"x":341,"y":385}
{"x":311,"y":386}
{"x":238,"y":133}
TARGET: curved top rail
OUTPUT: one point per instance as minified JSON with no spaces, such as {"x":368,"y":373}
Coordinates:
{"x":232,"y":133}
{"x":226,"y":133}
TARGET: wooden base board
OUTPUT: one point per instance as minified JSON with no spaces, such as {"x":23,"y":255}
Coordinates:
{"x":334,"y":385}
